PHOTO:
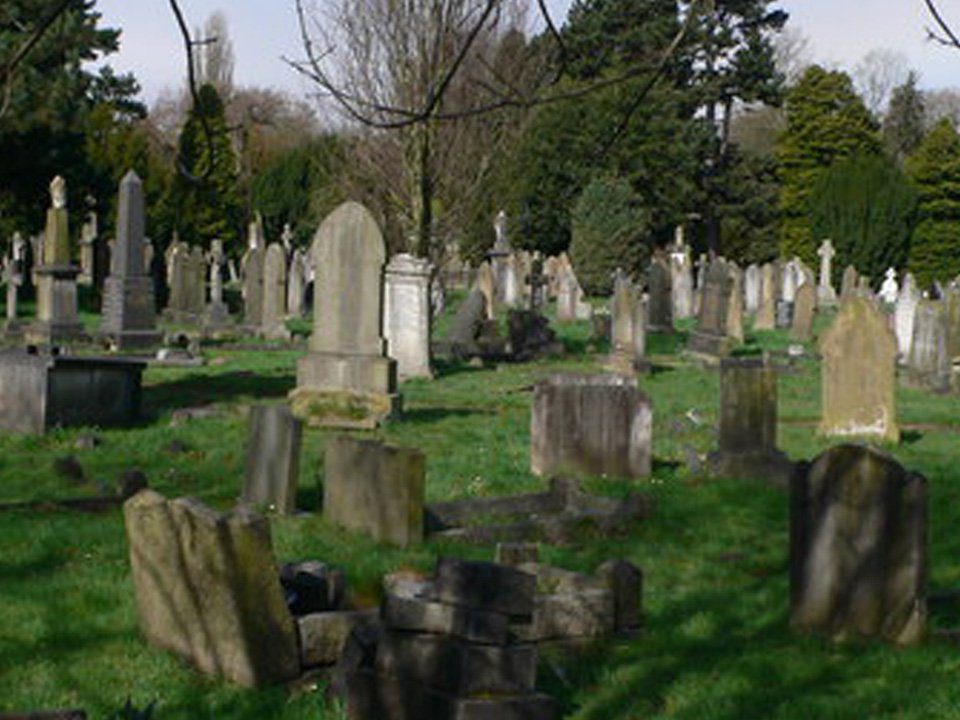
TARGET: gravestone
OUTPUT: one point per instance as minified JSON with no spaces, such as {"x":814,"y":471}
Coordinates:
{"x":790,"y":280}
{"x":129,"y":312}
{"x":509,"y":289}
{"x":858,"y":373}
{"x":660,"y":298}
{"x":735,"y":306}
{"x":375,"y":489}
{"x":804,"y":309}
{"x":57,"y":320}
{"x":251,"y":270}
{"x":850,"y":282}
{"x":889,"y":289}
{"x":346,"y":380}
{"x":274,"y":306}
{"x":826,"y":294}
{"x":858,"y":551}
{"x":711,"y":336}
{"x":681,"y":279}
{"x":407,"y":313}
{"x":177,"y":262}
{"x":751,"y":289}
{"x":928,"y":363}
{"x":499,"y":256}
{"x":590,"y":425}
{"x":628,"y":327}
{"x":571,"y":302}
{"x":905,"y":314}
{"x":766,"y":318}
{"x":217,"y":315}
{"x":88,"y":250}
{"x":273,"y":459}
{"x":748,"y":423}
{"x":207,"y":589}
{"x":196,"y":284}
{"x":486,"y":284}
{"x":14,"y":275}
{"x":297,"y":285}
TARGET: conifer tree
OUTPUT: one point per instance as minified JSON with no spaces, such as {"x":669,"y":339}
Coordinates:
{"x":905,"y":119}
{"x":935,"y":170}
{"x":826,"y":122}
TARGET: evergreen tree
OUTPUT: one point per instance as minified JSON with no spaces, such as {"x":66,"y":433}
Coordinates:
{"x":204,"y":199}
{"x":905,"y":120}
{"x":747,"y":204}
{"x":866,"y":206}
{"x":609,"y":229}
{"x":826,"y":122}
{"x":935,"y":170}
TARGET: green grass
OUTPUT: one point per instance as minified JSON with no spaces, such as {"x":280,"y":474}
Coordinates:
{"x":717,"y":642}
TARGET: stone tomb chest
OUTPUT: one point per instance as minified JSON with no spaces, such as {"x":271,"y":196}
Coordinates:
{"x":42,"y":391}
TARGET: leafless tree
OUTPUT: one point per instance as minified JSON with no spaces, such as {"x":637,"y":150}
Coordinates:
{"x":877,"y":74}
{"x":792,"y":53}
{"x":214,"y":57}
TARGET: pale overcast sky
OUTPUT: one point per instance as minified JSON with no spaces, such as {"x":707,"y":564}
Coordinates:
{"x":840,"y":32}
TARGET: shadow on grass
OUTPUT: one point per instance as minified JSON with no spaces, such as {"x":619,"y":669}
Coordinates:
{"x":446,"y":367}
{"x":909,"y":437}
{"x":436,"y":414}
{"x":200,"y":389}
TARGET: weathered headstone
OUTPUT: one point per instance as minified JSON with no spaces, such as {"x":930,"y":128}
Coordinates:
{"x":928,"y":362}
{"x":129,"y":315}
{"x":297,"y":284}
{"x":804,"y":309}
{"x":196,"y":283}
{"x":850,"y":282}
{"x":251,"y":269}
{"x":711,"y":336}
{"x":858,"y":549}
{"x":735,"y":306}
{"x":216,"y":314}
{"x":590,"y":425}
{"x":407,"y":314}
{"x":56,"y":278}
{"x":766,"y":310}
{"x":660,"y":302}
{"x":905,"y":313}
{"x":628,"y":326}
{"x":88,"y":250}
{"x":826,"y":294}
{"x":681,"y":280}
{"x":751,"y":289}
{"x":375,"y":489}
{"x":748,"y":423}
{"x":273,"y":458}
{"x":347,"y":380}
{"x":207,"y":589}
{"x":858,"y":373}
{"x":486,"y":284}
{"x":273,"y":311}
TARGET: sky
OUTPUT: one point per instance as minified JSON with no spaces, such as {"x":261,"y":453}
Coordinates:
{"x":840,"y":32}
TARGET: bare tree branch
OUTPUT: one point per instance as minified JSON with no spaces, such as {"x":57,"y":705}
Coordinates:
{"x":948,"y":37}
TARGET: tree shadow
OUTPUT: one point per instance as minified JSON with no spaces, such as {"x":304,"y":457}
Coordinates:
{"x":201,"y":389}
{"x":436,"y":414}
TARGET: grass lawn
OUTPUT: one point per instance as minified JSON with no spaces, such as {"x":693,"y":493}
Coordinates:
{"x":717,"y":642}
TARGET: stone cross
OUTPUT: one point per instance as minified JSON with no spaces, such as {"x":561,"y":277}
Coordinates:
{"x":537,"y":281}
{"x":500,"y":228}
{"x":826,"y":253}
{"x":890,"y":288}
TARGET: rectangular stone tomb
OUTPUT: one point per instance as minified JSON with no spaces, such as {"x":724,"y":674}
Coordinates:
{"x":556,"y":516}
{"x":590,"y":425}
{"x":41,"y":391}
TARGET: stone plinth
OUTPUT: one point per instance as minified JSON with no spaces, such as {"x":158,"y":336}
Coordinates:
{"x":207,"y":589}
{"x":748,"y":423}
{"x":57,"y":319}
{"x":407,"y":314}
{"x":41,"y":392}
{"x":375,"y":489}
{"x":858,"y":553}
{"x":590,"y":425}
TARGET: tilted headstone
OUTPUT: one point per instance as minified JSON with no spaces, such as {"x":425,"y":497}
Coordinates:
{"x":129,"y":315}
{"x":826,"y":294}
{"x":928,"y":363}
{"x":274,"y":307}
{"x":905,"y":313}
{"x":273,"y":458}
{"x":590,"y":425}
{"x":660,"y":298}
{"x":804,"y":310}
{"x":346,"y":379}
{"x":207,"y":589}
{"x":407,"y":314}
{"x":858,"y":549}
{"x":375,"y":489}
{"x":56,"y":278}
{"x":858,"y":373}
{"x":628,"y":326}
{"x":748,"y":423}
